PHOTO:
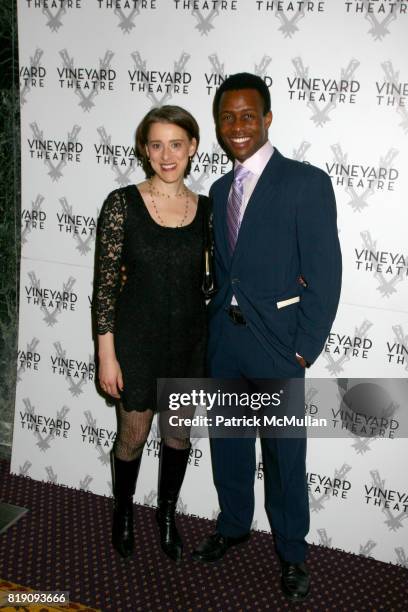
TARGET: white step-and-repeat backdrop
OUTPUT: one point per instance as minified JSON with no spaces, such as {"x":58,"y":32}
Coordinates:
{"x":338,"y":76}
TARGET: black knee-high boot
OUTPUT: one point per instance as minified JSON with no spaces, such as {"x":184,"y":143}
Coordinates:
{"x":173,"y":464}
{"x":125,"y":474}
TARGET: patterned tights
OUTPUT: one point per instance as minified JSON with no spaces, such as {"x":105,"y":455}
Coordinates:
{"x":134,"y":428}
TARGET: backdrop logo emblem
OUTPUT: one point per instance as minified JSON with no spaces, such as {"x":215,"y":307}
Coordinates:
{"x":393,"y":93}
{"x":324,"y":539}
{"x":51,"y":301}
{"x":322,"y":487}
{"x":85,"y":79}
{"x":28,"y":359}
{"x":387,"y":12}
{"x":33,"y":219}
{"x":153,"y":443}
{"x":116,"y":156}
{"x":50,"y":150}
{"x":44,"y":428}
{"x":363,"y":178}
{"x":98,"y":437}
{"x":165,"y":82}
{"x":366,"y":410}
{"x":397,"y":349}
{"x":389,"y":500}
{"x":299,"y":154}
{"x":402,"y":557}
{"x":32,"y":76}
{"x":290,"y":13}
{"x":76,"y":371}
{"x":366,"y":549}
{"x":217,"y":75}
{"x":345,"y":347}
{"x":387,"y":268}
{"x":80,"y":227}
{"x":205,"y":164}
{"x":85,"y":482}
{"x":329,"y":91}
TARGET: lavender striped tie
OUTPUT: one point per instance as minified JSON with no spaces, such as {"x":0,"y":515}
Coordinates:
{"x":234,"y":204}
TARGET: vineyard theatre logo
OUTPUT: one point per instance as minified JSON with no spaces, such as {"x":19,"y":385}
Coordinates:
{"x":33,"y":220}
{"x":153,"y":443}
{"x":366,"y":549}
{"x":44,"y":428}
{"x":361,"y":181}
{"x":28,"y":359}
{"x":82,"y":228}
{"x":366,"y":410}
{"x":51,"y":475}
{"x":55,"y":153}
{"x":290,"y":12}
{"x":397,"y":348}
{"x":150,"y":499}
{"x":391,"y":92}
{"x":322,"y":487}
{"x":24,"y":469}
{"x":402,"y":557}
{"x":87,"y":81}
{"x":99,"y":437}
{"x":323,"y":94}
{"x":311,"y":407}
{"x":299,"y":154}
{"x":54,"y":10}
{"x":52,"y":302}
{"x":32,"y":76}
{"x":206,"y":164}
{"x":121,"y":158}
{"x":157,"y":84}
{"x":127,"y":11}
{"x":392,"y":502}
{"x":85,"y":482}
{"x":379,"y":13}
{"x":324,"y":539}
{"x":196,"y":454}
{"x":388,"y":267}
{"x":76,"y":371}
{"x":205,"y":11}
{"x":217,"y":75}
{"x":340,"y":348}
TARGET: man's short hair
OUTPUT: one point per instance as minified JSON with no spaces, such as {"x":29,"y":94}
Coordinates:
{"x":242,"y":80}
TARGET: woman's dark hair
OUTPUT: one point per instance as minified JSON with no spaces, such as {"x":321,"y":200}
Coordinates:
{"x":164,"y":114}
{"x":242,"y":80}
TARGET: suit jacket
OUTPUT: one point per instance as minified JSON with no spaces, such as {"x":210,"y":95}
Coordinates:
{"x":288,"y":229}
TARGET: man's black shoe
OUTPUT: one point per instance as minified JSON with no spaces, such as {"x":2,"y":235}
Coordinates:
{"x":215,"y":546}
{"x":295,"y":580}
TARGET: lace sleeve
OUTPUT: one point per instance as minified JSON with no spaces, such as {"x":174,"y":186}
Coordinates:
{"x":108,"y":259}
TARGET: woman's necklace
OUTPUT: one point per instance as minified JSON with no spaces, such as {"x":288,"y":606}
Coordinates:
{"x":178,"y":195}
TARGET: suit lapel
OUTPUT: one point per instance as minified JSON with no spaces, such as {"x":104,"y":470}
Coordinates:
{"x":222,"y":198}
{"x":262,"y":195}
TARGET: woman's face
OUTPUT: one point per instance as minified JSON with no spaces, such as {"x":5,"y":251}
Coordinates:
{"x":169,"y":148}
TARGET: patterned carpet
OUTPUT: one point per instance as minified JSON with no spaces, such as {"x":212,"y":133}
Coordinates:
{"x":63,"y":543}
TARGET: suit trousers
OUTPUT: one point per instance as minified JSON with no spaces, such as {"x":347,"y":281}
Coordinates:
{"x":239,"y":354}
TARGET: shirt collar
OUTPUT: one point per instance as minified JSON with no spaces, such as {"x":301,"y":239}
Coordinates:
{"x":257,"y":162}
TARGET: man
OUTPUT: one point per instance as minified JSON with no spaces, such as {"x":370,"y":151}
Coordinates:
{"x":278,"y":269}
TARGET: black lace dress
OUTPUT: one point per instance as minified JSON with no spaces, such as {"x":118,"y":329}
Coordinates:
{"x":158,"y":319}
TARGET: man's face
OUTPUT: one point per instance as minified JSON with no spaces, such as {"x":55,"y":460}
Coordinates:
{"x":242,"y":125}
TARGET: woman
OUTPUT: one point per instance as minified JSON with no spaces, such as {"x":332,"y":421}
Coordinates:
{"x":155,"y":327}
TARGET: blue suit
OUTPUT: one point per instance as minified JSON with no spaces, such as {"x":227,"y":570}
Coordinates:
{"x":288,"y":230}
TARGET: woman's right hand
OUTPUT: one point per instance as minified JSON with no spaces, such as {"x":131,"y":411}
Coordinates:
{"x":110,"y":376}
